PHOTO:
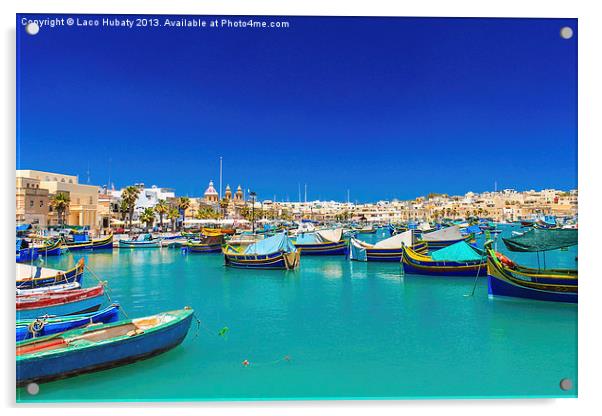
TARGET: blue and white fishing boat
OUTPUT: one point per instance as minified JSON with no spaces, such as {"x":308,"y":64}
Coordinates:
{"x":142,"y":241}
{"x":273,"y":253}
{"x":25,"y":253}
{"x":388,"y":250}
{"x":48,"y":325}
{"x":30,"y":277}
{"x":444,"y":237}
{"x":321,"y":243}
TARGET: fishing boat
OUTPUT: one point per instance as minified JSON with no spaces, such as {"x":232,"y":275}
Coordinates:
{"x":368,"y":229}
{"x":50,"y":247}
{"x":25,"y":253}
{"x":206,"y":244}
{"x":445,"y":237}
{"x":29,"y":277}
{"x":274,"y":253}
{"x":459,"y":259}
{"x":389,"y":250}
{"x":508,"y":279}
{"x":527,"y":223}
{"x":142,"y":241}
{"x":100,"y":346}
{"x":45,"y":289}
{"x":48,"y":325}
{"x":218,"y":231}
{"x":82,"y":241}
{"x":321,"y":243}
{"x":60,"y":303}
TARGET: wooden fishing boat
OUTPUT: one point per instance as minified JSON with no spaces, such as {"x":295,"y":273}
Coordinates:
{"x":506,"y":278}
{"x":444,"y":237}
{"x":206,"y":244}
{"x":369,"y":229}
{"x":273,"y":253}
{"x":389,"y":250}
{"x":218,"y":231}
{"x":321,"y":243}
{"x":48,"y":325}
{"x":459,"y":259}
{"x":25,"y":252}
{"x":47,"y":289}
{"x":29,"y":277}
{"x":59,"y":303}
{"x":100,"y":346}
{"x":50,"y":247}
{"x":91,"y":244}
{"x":527,"y":223}
{"x":142,"y":241}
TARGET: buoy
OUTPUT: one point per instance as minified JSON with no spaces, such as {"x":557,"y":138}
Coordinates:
{"x":246,"y":363}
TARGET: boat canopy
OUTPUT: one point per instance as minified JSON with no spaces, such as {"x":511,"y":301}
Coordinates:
{"x":396,"y":241}
{"x":333,"y":236}
{"x":446,"y":234}
{"x":460,"y":251}
{"x":542,"y":240}
{"x":144,"y":237}
{"x":321,"y":236}
{"x":276,"y":243}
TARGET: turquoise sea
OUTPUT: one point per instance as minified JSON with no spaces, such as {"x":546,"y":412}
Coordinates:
{"x":333,"y":329}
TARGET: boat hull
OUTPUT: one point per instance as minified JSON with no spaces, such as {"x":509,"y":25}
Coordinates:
{"x":323,"y":249}
{"x":272,"y":261}
{"x":139,"y":244}
{"x":412,"y":265}
{"x":89,"y":301}
{"x":99,"y":244}
{"x":204,"y":248}
{"x":70,"y":276}
{"x":101,"y":355}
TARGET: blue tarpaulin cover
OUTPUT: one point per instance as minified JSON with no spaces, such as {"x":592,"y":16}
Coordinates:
{"x":460,"y":251}
{"x":23,"y":227}
{"x":276,"y":243}
{"x":308,"y":238}
{"x":472,"y":229}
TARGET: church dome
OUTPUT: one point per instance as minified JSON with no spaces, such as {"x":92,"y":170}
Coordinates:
{"x":210,"y":190}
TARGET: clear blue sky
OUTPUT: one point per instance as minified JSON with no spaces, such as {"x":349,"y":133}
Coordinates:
{"x":385,"y":107}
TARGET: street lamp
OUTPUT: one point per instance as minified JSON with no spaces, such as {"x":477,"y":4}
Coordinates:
{"x":253,"y":195}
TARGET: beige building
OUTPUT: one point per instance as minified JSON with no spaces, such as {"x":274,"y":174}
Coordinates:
{"x":83,"y":206}
{"x":32,"y":202}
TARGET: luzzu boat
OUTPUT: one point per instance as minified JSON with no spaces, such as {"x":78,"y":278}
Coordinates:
{"x":24,"y":252}
{"x":206,"y":244}
{"x":142,"y":241}
{"x":277,"y":252}
{"x":369,"y":229}
{"x":389,"y":250}
{"x":59,"y":303}
{"x":459,"y":259}
{"x":99,"y":347}
{"x":83,"y":242}
{"x":506,"y":278}
{"x":321,"y":243}
{"x":29,"y":277}
{"x":444,"y":237}
{"x":50,"y":248}
{"x":48,"y":325}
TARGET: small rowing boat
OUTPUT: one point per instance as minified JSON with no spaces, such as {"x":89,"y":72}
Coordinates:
{"x":142,"y":241}
{"x":100,"y":346}
{"x":59,"y":303}
{"x":48,"y":325}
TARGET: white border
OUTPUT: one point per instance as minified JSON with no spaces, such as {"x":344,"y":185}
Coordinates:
{"x":590,"y":214}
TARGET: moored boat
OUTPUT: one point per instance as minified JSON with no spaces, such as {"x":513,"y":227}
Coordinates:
{"x":47,"y":289}
{"x":273,"y":253}
{"x":444,"y":237}
{"x":29,"y":277}
{"x":24,"y":252}
{"x":388,"y":250}
{"x":142,"y":241}
{"x":84,"y":242}
{"x":100,"y":347}
{"x":321,"y":243}
{"x":459,"y":259}
{"x":59,"y":303}
{"x":206,"y":244}
{"x":48,"y":325}
{"x":508,"y":279}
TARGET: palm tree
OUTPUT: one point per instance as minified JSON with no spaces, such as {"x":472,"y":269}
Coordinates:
{"x":183,"y":205}
{"x":148,"y":217}
{"x":173,"y":215}
{"x":60,"y":202}
{"x":124,"y":209}
{"x":130,"y":195}
{"x":161,"y":208}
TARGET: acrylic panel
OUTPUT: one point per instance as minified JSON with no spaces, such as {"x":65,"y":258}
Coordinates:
{"x":288,"y":208}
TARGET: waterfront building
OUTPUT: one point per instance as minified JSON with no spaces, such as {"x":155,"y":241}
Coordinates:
{"x":83,"y":205}
{"x":32,"y":202}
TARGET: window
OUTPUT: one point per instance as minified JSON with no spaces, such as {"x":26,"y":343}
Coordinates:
{"x":70,"y":180}
{"x":91,"y":201}
{"x":63,"y":180}
{"x":41,"y":203}
{"x":31,"y":204}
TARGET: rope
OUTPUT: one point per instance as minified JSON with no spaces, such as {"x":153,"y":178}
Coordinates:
{"x":107,"y":287}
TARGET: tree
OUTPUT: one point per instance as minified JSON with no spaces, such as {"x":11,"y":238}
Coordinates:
{"x":123,"y":209}
{"x":148,"y":217}
{"x":130,"y":196}
{"x":183,"y":205}
{"x":173,"y":215}
{"x":162,"y":208}
{"x":60,"y":202}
